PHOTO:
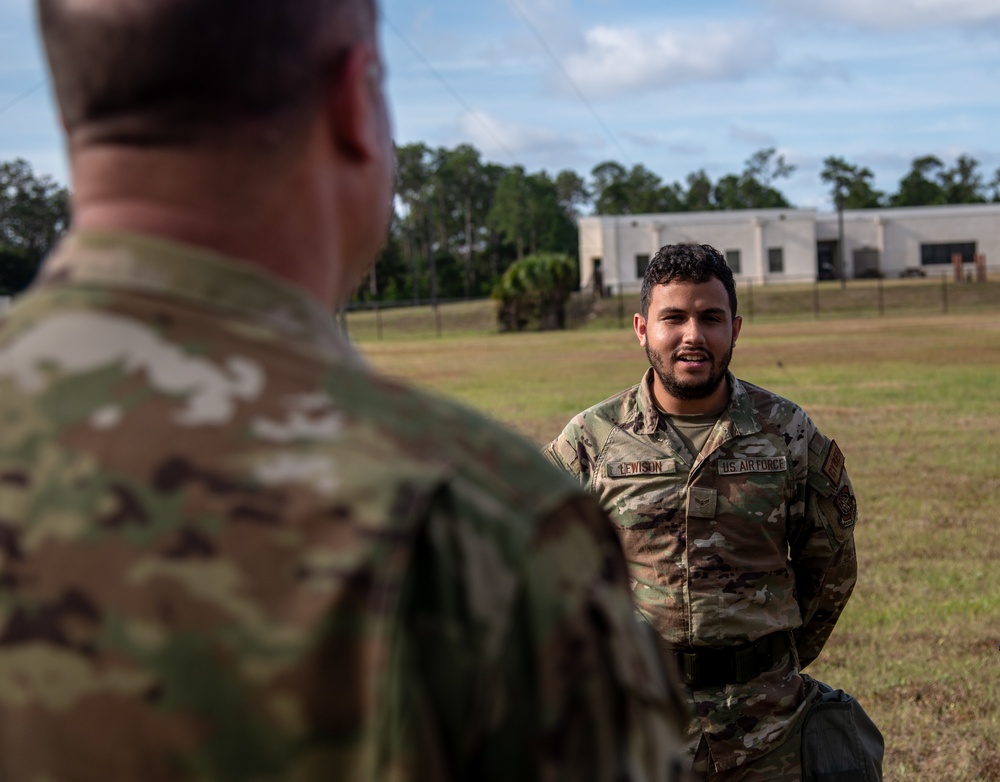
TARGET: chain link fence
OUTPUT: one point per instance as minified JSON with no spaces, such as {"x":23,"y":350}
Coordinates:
{"x":787,"y":301}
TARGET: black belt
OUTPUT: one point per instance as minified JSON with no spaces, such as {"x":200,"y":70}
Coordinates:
{"x":733,"y":664}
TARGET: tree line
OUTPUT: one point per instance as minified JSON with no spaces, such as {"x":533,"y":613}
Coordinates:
{"x":34,"y":213}
{"x":460,"y":222}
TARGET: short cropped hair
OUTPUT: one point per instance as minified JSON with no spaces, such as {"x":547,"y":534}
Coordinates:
{"x":687,"y":263}
{"x":168,"y":71}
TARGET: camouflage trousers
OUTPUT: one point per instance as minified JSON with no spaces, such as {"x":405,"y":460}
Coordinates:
{"x":782,"y":764}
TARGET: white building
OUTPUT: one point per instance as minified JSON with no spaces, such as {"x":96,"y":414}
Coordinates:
{"x":796,"y":245}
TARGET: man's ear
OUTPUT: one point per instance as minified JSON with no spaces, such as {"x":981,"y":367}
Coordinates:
{"x":355,"y":105}
{"x":639,"y":324}
{"x":737,"y":326}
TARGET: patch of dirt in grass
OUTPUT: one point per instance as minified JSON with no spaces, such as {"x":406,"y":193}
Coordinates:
{"x":989,"y":764}
{"x":934,"y":700}
{"x":938,"y":732}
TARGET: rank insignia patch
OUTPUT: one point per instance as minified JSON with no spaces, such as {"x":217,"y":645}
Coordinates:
{"x":833,"y":467}
{"x":702,"y":502}
{"x":847,"y":505}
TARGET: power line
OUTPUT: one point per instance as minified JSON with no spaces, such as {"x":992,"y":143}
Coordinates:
{"x":22,"y":96}
{"x":454,"y":93}
{"x":516,"y":6}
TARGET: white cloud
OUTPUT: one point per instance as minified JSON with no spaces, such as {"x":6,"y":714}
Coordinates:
{"x":494,"y":136}
{"x":897,"y":14}
{"x":619,"y":60}
{"x":674,"y":144}
{"x":554,"y":20}
{"x":758,"y":138}
{"x":817,"y":70}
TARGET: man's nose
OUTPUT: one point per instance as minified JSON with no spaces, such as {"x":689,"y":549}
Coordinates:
{"x":693,"y":334}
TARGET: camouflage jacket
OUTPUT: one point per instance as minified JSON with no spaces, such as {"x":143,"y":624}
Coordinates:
{"x":229,"y":551}
{"x":752,"y":536}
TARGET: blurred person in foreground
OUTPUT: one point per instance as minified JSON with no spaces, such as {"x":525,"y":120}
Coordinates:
{"x":737,"y":517}
{"x":229,"y":550}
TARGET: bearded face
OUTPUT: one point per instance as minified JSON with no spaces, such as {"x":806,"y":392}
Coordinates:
{"x":689,"y":336}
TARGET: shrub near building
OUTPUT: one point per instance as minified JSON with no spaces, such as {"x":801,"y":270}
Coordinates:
{"x":533,"y":292}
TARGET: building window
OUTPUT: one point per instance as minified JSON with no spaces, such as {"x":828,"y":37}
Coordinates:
{"x":776,"y":260}
{"x":733,"y":260}
{"x":641,"y":262}
{"x":937,"y":254}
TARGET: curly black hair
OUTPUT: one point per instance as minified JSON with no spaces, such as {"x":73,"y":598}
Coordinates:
{"x":687,"y":262}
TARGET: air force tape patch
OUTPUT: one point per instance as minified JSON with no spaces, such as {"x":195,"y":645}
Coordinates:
{"x":752,"y":464}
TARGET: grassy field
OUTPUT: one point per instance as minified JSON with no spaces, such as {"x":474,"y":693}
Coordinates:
{"x":915,"y":404}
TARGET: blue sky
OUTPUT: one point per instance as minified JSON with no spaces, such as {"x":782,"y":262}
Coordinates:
{"x":675,"y":85}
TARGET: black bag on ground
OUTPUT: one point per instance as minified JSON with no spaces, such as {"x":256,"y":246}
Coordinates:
{"x":840,"y":743}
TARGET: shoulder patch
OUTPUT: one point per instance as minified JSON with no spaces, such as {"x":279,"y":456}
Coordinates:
{"x":847,"y":506}
{"x":833,"y":467}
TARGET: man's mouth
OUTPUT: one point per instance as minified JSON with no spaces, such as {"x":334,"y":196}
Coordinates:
{"x":692,"y":358}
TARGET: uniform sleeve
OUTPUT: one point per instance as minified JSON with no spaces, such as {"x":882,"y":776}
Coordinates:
{"x":822,"y":549}
{"x":573,"y":451}
{"x":528,"y":664}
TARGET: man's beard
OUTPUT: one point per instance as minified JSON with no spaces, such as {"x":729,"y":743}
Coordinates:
{"x":690,"y":390}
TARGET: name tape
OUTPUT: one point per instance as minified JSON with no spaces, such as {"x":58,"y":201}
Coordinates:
{"x":652,"y":467}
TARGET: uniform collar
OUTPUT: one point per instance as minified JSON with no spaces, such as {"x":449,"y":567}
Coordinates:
{"x":647,"y":419}
{"x":739,"y":416}
{"x":113,"y":259}
{"x":741,"y":412}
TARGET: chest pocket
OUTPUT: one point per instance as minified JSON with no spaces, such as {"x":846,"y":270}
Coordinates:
{"x":641,"y":486}
{"x":754,"y":488}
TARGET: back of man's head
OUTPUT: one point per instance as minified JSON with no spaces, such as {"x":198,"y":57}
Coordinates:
{"x":696,"y":263}
{"x":177,"y":72}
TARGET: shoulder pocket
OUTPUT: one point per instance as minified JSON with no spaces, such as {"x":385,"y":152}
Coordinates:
{"x":831,"y":492}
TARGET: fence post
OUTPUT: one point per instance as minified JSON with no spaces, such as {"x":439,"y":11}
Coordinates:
{"x":816,"y":300}
{"x":342,"y":317}
{"x":881,"y":299}
{"x":944,"y":293}
{"x":437,"y":319}
{"x":750,"y":300}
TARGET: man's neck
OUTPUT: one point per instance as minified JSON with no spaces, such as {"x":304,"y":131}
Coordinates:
{"x":277,"y":229}
{"x":713,"y":404}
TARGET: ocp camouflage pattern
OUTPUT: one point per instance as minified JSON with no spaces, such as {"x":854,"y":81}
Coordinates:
{"x":229,"y":551}
{"x":752,"y":536}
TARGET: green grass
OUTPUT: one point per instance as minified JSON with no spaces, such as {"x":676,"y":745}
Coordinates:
{"x":915,"y":404}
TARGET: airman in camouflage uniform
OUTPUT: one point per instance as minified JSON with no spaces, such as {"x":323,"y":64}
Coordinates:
{"x":228,"y":550}
{"x":736,"y":515}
